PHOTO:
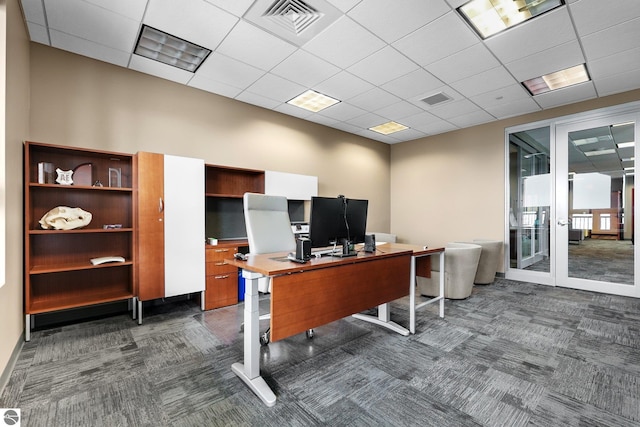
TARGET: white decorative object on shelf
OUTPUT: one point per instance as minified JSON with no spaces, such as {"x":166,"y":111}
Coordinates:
{"x":64,"y":177}
{"x":65,"y":218}
{"x":105,"y":259}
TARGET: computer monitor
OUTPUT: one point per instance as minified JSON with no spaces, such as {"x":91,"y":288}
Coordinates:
{"x":335,"y":218}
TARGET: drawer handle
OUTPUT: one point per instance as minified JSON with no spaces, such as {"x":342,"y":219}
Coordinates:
{"x":222,"y":250}
{"x":226,"y":276}
{"x":220,"y":263}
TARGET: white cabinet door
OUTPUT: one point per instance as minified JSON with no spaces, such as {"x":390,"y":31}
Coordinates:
{"x":290,"y":185}
{"x":184,"y":230}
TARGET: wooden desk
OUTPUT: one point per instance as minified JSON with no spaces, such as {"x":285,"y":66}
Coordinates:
{"x":305,"y":296}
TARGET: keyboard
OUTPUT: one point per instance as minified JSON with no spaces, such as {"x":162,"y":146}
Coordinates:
{"x":321,"y":252}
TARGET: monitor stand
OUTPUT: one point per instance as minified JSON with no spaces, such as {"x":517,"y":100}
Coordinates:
{"x":343,"y":255}
{"x":347,"y":250}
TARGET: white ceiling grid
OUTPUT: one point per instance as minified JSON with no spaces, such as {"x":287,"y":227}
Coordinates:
{"x":379,"y":58}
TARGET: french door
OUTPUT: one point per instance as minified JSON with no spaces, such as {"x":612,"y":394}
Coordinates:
{"x":570,"y":218}
{"x":594,"y":221}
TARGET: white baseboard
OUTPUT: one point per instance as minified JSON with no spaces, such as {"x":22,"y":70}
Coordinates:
{"x":6,"y":373}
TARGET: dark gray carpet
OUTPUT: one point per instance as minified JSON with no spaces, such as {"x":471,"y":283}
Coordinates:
{"x":513,"y":354}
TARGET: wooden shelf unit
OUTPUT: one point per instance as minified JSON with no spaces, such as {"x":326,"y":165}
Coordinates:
{"x":223,"y":181}
{"x":59,"y":274}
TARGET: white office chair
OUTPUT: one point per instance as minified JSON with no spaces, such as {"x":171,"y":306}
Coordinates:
{"x":268,"y":230}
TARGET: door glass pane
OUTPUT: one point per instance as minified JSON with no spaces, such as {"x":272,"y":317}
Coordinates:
{"x":601,"y":191}
{"x":530,"y":199}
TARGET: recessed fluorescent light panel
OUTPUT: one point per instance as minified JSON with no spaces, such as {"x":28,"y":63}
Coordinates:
{"x":162,"y":47}
{"x":313,"y":101}
{"x":489,"y":17}
{"x":388,"y":128}
{"x":599,"y":152}
{"x":557,"y":80}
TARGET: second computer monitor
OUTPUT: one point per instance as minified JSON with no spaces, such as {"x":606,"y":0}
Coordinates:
{"x":335,"y":218}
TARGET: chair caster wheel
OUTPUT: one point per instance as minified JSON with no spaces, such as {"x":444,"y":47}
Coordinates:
{"x":264,"y":338}
{"x":310,"y":334}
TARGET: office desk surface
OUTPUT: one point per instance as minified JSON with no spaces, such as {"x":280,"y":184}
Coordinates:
{"x":276,"y":264}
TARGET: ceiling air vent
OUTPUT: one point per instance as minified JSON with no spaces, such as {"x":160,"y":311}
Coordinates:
{"x":294,"y":15}
{"x":296,"y":21}
{"x":438,"y":98}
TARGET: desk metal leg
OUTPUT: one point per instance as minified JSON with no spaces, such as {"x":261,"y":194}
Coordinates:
{"x":442,"y":285}
{"x":412,"y":297}
{"x":383,"y":319}
{"x":249,"y":371}
{"x":412,"y":294}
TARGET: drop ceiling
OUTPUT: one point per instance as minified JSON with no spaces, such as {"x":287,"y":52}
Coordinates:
{"x":380,"y":58}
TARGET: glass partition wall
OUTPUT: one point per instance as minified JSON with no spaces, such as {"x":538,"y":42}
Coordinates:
{"x":529,"y":199}
{"x":571,"y":201}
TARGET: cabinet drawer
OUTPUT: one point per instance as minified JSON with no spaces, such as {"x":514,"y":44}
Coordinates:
{"x":219,"y":267}
{"x":221,"y":290}
{"x":219,"y":253}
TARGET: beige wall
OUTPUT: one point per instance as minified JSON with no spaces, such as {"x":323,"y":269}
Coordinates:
{"x":451,"y":187}
{"x":15,"y":124}
{"x":82,"y":102}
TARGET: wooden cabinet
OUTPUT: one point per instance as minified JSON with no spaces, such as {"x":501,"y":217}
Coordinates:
{"x":59,"y":273}
{"x":222,"y":279}
{"x":170,"y":226}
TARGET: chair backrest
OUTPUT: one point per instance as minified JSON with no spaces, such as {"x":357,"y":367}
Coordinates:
{"x":268,"y":225}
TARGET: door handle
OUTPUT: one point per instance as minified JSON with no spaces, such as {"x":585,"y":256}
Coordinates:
{"x":160,"y":205}
{"x":564,"y":222}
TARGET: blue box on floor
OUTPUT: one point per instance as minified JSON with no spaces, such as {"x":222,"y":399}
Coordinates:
{"x":240,"y":286}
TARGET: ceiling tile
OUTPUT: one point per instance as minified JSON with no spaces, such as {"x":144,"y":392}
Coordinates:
{"x":276,"y":88}
{"x":591,"y":16}
{"x":34,"y":11}
{"x":568,"y":95}
{"x":398,"y":110}
{"x":512,"y":109}
{"x":38,"y":33}
{"x":158,"y":69}
{"x":548,"y":61}
{"x":384,"y":65}
{"x":485,"y":81}
{"x":236,"y":7}
{"x":258,"y":100}
{"x":471,"y":119}
{"x":465,"y":63}
{"x":193,"y":20}
{"x":409,"y":85}
{"x":229,"y":71}
{"x":354,"y":41}
{"x":213,"y":86}
{"x":426,"y":46}
{"x":343,"y":85}
{"x":537,"y":35}
{"x":90,"y":22}
{"x":292,"y":110}
{"x":133,"y":9}
{"x":304,"y":68}
{"x":447,"y":110}
{"x":501,"y":96}
{"x":618,"y":83}
{"x":248,"y":44}
{"x":427,"y":123}
{"x":617,"y":63}
{"x":367,"y":120}
{"x":390,"y":22}
{"x":342,"y":111}
{"x":344,"y":5}
{"x":612,"y":40}
{"x":374,"y":99}
{"x":89,"y":49}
